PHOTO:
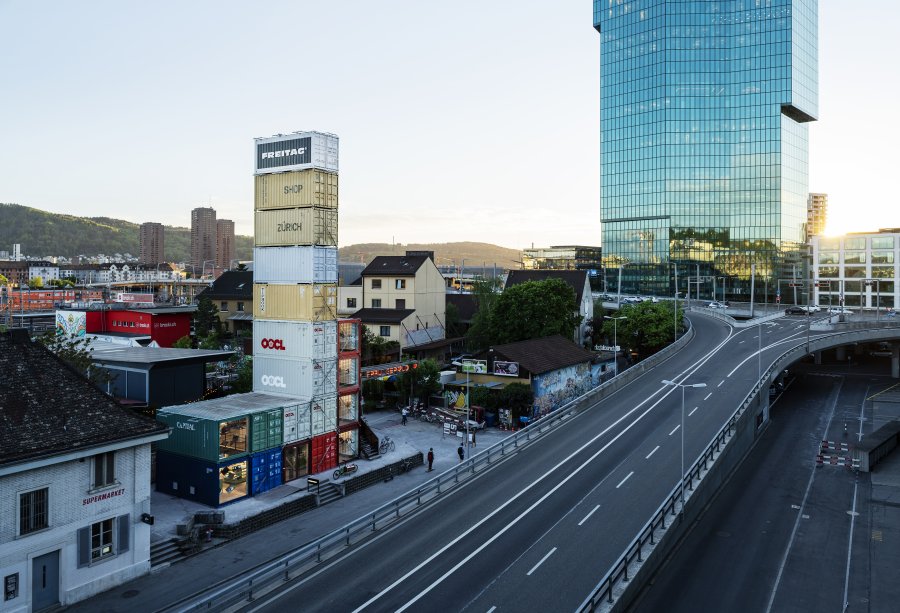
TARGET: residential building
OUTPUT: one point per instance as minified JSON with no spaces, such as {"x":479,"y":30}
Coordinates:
{"x":580,"y":284}
{"x":224,"y":243}
{"x":704,"y":112}
{"x":350,"y":297}
{"x":15,"y":272}
{"x":859,"y":269}
{"x":232,"y":293}
{"x":153,"y":243}
{"x":404,"y":299}
{"x":203,"y":238}
{"x":816,"y":215}
{"x":74,"y":482}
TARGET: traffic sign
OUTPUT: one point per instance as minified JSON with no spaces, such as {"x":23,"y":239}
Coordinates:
{"x":795,"y":285}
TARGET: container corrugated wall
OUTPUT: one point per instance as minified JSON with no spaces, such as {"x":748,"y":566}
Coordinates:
{"x":289,"y":227}
{"x":305,"y":188}
{"x":197,"y":437}
{"x":266,"y":429}
{"x":297,"y":422}
{"x":323,"y":415}
{"x":302,"y":302}
{"x":295,"y":265}
{"x":295,"y":339}
{"x":265,"y":471}
{"x":295,"y":377}
{"x":323,"y":453}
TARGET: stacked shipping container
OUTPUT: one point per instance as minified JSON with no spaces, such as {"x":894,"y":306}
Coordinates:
{"x":295,"y":292}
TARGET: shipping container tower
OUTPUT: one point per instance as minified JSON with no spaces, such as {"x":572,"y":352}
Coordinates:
{"x":295,"y":290}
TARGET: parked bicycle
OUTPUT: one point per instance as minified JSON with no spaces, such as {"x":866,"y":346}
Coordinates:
{"x":386,"y":445}
{"x":346,"y":469}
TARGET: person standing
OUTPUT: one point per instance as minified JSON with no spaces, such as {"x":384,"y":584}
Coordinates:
{"x":404,"y":412}
{"x":461,"y":453}
{"x":430,"y":458}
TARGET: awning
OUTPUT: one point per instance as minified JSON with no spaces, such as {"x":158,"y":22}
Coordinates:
{"x":241,"y":317}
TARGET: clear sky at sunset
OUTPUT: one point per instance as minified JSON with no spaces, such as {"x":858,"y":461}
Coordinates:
{"x":458,"y":121}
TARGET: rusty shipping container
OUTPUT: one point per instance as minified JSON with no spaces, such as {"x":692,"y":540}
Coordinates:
{"x":299,"y":302}
{"x":296,"y":227}
{"x":304,"y":188}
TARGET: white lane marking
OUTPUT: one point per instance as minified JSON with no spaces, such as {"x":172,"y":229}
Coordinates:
{"x":675,"y":430}
{"x":787,"y":339}
{"x":492,"y":609}
{"x":624,"y":480}
{"x":707,"y":396}
{"x":694,"y":411}
{"x":862,"y":410}
{"x":740,"y":342}
{"x":850,"y":545}
{"x":669,"y":390}
{"x":720,"y":383}
{"x":812,"y":477}
{"x":652,"y":452}
{"x":586,"y":517}
{"x":535,"y":567}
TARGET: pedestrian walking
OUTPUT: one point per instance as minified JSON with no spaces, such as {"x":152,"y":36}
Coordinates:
{"x":430,"y":458}
{"x":462,"y":454}
{"x":473,"y":439}
{"x":404,"y":413}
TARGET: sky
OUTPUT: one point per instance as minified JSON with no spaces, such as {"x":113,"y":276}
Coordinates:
{"x":463,"y":121}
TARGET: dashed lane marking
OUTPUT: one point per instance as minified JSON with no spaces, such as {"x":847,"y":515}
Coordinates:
{"x":624,"y":480}
{"x":588,"y":515}
{"x":675,"y":430}
{"x":707,"y":396}
{"x":694,"y":411}
{"x":652,"y":452}
{"x":535,"y":567}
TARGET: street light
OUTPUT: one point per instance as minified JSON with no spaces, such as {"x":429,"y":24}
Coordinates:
{"x":615,"y":321}
{"x":682,"y":386}
{"x":466,"y":365}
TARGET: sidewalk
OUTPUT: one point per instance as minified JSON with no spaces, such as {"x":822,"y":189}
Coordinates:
{"x":168,"y":584}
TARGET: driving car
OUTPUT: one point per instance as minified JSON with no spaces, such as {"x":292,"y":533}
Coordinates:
{"x":840,"y":311}
{"x":795,"y":310}
{"x":716,"y":305}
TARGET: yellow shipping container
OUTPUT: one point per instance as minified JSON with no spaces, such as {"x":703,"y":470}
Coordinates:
{"x":296,"y":227}
{"x":303,"y":188}
{"x":298,"y":302}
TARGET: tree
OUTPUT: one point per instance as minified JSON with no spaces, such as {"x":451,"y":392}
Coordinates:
{"x":421,"y":382}
{"x":451,"y":321}
{"x":244,"y":381}
{"x":36,"y":282}
{"x":481,"y":333}
{"x":4,"y":280}
{"x":206,"y":318}
{"x":519,"y":398}
{"x":183,"y":343}
{"x":534,"y":309}
{"x":375,"y":349}
{"x":648,"y":328}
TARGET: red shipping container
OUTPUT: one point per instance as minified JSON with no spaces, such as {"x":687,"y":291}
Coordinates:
{"x":324,"y":452}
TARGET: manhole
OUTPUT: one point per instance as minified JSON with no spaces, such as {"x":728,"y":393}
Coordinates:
{"x":130,"y":593}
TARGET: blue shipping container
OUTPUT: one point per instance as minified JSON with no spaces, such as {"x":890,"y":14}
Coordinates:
{"x":265,"y":468}
{"x":210,"y":483}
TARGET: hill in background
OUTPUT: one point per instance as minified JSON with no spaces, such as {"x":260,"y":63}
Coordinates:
{"x":42,"y":233}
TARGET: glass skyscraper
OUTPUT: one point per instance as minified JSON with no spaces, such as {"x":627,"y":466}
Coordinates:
{"x":704,"y":106}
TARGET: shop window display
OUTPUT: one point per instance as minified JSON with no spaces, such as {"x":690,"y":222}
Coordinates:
{"x":233,"y":481}
{"x":348,"y":445}
{"x":233,"y":438}
{"x":295,"y":461}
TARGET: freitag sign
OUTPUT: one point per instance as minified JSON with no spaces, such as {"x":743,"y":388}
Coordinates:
{"x":291,"y":152}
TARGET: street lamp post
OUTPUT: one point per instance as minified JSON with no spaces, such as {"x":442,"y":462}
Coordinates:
{"x":615,"y":321}
{"x":682,"y":386}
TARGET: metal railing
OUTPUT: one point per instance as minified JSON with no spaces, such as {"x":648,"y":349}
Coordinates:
{"x":604,"y":591}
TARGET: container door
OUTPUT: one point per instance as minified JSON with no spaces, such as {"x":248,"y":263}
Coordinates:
{"x":295,"y":461}
{"x":45,"y":581}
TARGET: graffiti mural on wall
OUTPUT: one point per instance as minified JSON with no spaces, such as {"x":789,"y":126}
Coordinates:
{"x":561,"y":386}
{"x":455,"y":399}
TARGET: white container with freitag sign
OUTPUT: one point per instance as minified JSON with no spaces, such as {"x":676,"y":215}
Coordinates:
{"x":295,"y":339}
{"x":295,"y":151}
{"x":297,"y":422}
{"x":295,"y":265}
{"x":323,"y":414}
{"x":295,"y":376}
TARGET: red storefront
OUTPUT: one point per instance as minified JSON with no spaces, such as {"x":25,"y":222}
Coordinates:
{"x":349,"y":331}
{"x":163,"y":325}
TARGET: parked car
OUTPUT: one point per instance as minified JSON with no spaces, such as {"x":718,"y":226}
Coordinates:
{"x":631,"y":299}
{"x":716,"y":305}
{"x":795,"y":310}
{"x":649,"y":299}
{"x":813,"y":308}
{"x":840,"y":311}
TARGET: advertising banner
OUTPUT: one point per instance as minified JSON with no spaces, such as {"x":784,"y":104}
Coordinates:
{"x":506,"y":369}
{"x":292,"y":152}
{"x":474,"y":366}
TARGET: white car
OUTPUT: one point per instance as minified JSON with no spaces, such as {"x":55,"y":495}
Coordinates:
{"x":716,"y":305}
{"x":840,"y":311}
{"x":631,"y":299}
{"x":814,"y":308}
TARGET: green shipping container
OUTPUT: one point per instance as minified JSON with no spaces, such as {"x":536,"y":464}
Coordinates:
{"x":266,"y":429}
{"x":225,"y":428}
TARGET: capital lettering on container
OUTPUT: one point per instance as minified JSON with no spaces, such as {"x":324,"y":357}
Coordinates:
{"x":272,"y":343}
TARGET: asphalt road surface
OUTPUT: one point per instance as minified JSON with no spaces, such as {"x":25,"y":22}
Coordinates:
{"x":540,"y":530}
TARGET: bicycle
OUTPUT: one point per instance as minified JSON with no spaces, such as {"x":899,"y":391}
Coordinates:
{"x":346,"y":469}
{"x":386,"y":445}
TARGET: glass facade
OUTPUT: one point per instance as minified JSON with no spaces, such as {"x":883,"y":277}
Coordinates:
{"x":704,"y":142}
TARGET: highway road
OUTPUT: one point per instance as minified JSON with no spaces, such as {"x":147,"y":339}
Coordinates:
{"x":540,"y":529}
{"x":778,"y":536}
